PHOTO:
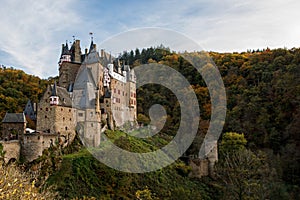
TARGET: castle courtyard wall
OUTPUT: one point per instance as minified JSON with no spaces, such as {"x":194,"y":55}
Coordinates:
{"x":12,"y":150}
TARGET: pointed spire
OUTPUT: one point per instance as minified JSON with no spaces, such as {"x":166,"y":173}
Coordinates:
{"x":65,"y":49}
{"x":91,"y":46}
{"x":54,"y":90}
{"x":92,"y":42}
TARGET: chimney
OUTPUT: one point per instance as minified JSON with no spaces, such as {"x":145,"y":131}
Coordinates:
{"x":77,"y":42}
{"x":35,"y":107}
{"x":77,"y":51}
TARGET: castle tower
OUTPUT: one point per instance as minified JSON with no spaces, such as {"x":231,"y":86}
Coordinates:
{"x":69,"y":64}
{"x":65,"y":54}
{"x":55,"y":113}
{"x":85,"y":100}
{"x":76,"y":52}
{"x":131,"y":87}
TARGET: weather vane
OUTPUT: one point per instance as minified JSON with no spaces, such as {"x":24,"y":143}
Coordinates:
{"x":91,"y":34}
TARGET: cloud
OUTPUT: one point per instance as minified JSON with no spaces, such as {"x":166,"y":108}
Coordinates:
{"x":237,"y":26}
{"x":31,"y":31}
{"x":229,"y":25}
{"x":148,"y":37}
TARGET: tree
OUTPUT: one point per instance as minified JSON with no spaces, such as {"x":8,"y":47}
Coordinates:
{"x":243,"y":174}
{"x":232,"y":142}
{"x":15,"y":184}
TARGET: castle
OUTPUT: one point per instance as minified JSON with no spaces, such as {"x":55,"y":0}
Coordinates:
{"x":94,"y":92}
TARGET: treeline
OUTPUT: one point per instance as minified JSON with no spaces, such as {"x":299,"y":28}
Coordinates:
{"x":263,"y":97}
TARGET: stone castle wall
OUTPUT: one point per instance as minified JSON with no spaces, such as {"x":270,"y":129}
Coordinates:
{"x":12,"y":150}
{"x":123,"y":103}
{"x":204,"y":166}
{"x":56,"y":119}
{"x":34,"y":144}
{"x":12,"y":128}
{"x":200,"y":167}
{"x":89,"y":126}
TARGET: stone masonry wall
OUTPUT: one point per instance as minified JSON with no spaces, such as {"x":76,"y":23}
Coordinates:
{"x":12,"y":150}
{"x":9,"y":128}
{"x":34,"y":144}
{"x":56,"y":119}
{"x":199,"y":167}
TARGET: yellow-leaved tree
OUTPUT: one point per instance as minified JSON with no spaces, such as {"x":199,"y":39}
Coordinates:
{"x":15,"y":184}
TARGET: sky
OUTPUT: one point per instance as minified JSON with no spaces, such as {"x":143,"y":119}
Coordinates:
{"x":31,"y":32}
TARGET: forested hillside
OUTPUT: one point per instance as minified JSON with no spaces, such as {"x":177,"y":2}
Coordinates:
{"x":16,"y":88}
{"x":263,"y":100}
{"x":263,"y":106}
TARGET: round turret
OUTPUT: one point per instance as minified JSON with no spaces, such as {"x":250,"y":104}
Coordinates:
{"x":65,"y":54}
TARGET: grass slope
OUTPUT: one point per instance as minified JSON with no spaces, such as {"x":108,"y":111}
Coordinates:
{"x":82,"y":175}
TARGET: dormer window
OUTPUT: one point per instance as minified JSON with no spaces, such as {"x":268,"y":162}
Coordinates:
{"x":54,"y":100}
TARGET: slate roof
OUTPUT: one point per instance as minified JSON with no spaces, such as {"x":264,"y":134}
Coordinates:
{"x":64,"y":97}
{"x":14,"y":118}
{"x":62,"y":93}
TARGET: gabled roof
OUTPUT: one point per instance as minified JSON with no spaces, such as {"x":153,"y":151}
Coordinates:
{"x":14,"y":118}
{"x":92,"y":57}
{"x":29,"y":110}
{"x":64,"y":97}
{"x":61,"y":92}
{"x":84,"y":76}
